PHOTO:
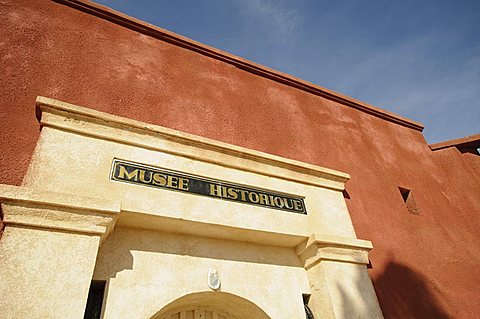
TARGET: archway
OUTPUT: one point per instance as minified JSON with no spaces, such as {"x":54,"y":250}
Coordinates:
{"x":211,"y":305}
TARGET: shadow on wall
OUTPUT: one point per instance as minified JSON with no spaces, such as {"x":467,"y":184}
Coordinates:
{"x":402,"y":293}
{"x":2,"y":225}
{"x":122,"y":242}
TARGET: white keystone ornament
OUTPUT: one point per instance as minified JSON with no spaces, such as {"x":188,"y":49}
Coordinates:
{"x":213,"y":279}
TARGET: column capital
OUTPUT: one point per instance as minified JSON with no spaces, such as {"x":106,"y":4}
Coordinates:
{"x":335,"y":248}
{"x":27,"y":207}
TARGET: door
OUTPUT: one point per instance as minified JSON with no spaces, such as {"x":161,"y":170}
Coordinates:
{"x":198,"y":313}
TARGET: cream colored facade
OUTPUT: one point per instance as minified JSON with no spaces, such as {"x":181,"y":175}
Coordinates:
{"x":69,"y":224}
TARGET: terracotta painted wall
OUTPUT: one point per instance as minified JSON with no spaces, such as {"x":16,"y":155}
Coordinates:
{"x":424,"y":266}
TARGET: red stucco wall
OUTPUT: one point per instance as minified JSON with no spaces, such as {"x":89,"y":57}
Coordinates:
{"x":424,"y":266}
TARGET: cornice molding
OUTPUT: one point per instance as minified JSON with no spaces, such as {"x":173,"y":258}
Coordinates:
{"x":80,"y":120}
{"x":327,"y":247}
{"x":26,"y":207}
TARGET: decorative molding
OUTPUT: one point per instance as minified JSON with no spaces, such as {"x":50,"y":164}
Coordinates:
{"x":54,"y":211}
{"x":326,"y":247}
{"x":80,"y":120}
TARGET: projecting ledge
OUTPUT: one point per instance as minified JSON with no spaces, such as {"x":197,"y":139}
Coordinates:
{"x":103,"y":126}
{"x":327,"y":247}
{"x":23,"y":206}
{"x":200,"y":228}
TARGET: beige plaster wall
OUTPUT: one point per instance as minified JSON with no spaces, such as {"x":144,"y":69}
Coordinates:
{"x":352,"y":298}
{"x":84,"y":169}
{"x":45,"y":273}
{"x":147,"y":270}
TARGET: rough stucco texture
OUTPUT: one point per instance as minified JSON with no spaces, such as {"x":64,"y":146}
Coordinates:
{"x":424,"y":266}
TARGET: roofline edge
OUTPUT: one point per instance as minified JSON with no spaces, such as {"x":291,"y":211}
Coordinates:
{"x":471,"y":139}
{"x":247,"y":65}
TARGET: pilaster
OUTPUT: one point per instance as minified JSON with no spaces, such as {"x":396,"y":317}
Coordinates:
{"x":48,"y":251}
{"x":339,"y":281}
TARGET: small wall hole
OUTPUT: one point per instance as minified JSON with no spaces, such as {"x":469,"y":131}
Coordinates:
{"x":409,"y":201}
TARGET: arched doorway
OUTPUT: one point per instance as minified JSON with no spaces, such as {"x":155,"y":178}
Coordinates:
{"x":197,"y":312}
{"x":211,"y":305}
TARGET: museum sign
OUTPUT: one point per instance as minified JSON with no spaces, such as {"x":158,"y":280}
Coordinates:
{"x":141,"y":174}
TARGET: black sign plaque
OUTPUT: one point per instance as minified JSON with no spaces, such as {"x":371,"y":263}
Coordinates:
{"x":141,"y":174}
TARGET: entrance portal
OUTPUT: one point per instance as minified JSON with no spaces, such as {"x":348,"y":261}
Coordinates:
{"x":198,"y":312}
{"x":211,"y":305}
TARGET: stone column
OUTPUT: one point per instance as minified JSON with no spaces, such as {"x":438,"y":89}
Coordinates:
{"x":48,"y":251}
{"x":339,"y":281}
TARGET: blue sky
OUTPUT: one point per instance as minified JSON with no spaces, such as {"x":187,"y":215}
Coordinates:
{"x":419,"y":59}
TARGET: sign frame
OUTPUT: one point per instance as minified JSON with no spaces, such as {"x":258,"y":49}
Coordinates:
{"x":167,"y":179}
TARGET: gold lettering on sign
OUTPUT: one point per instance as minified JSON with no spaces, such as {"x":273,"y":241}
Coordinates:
{"x":215,"y":190}
{"x":143,"y":174}
{"x":130,"y":176}
{"x":278,"y":202}
{"x":297,"y":204}
{"x":285,"y":200}
{"x":224,"y":192}
{"x":242,"y":193}
{"x":253,"y":197}
{"x":232,"y":193}
{"x":159,"y":179}
{"x":183,"y":183}
{"x":172,"y":181}
{"x":264,"y":199}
